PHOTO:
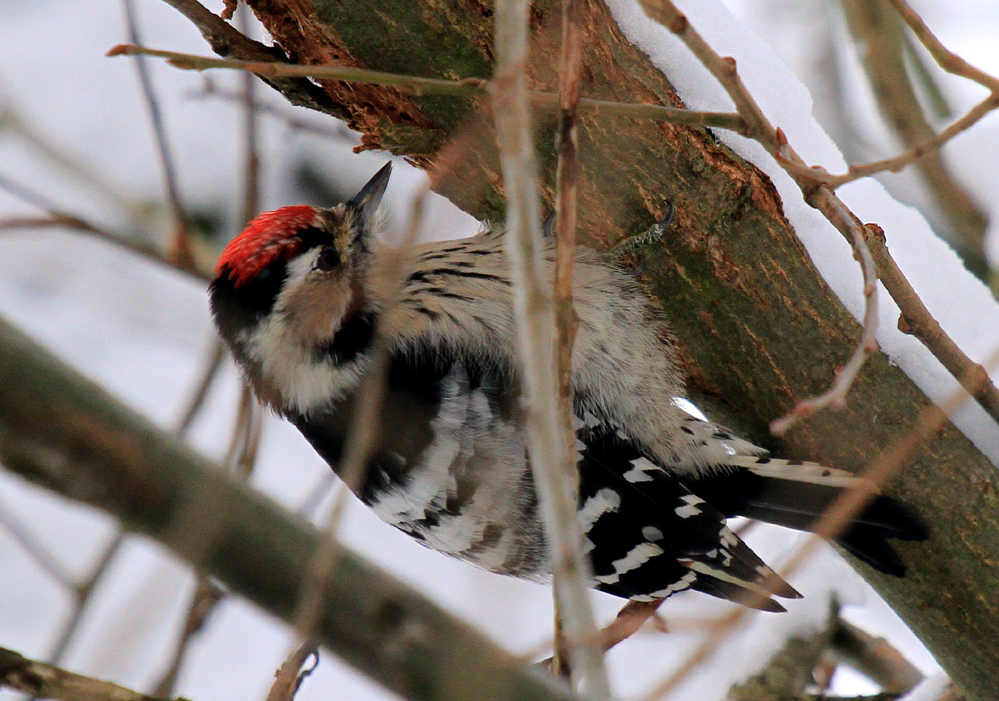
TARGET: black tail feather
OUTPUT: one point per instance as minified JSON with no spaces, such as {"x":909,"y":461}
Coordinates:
{"x":873,"y":550}
{"x":800,"y":504}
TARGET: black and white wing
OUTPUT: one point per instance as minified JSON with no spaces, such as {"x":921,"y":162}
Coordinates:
{"x":650,"y":536}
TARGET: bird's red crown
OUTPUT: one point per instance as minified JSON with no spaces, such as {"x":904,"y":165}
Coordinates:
{"x":270,"y":236}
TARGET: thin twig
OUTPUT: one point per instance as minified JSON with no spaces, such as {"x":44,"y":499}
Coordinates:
{"x":566,"y":319}
{"x":629,"y":620}
{"x":49,"y":563}
{"x":835,"y":396}
{"x":207,"y":594}
{"x":206,"y":597}
{"x":240,"y":460}
{"x":414,"y":85}
{"x":951,"y":63}
{"x":946,"y":59}
{"x":59,"y":219}
{"x":203,"y":602}
{"x":290,"y":675}
{"x":94,"y":179}
{"x":180,"y":245}
{"x":879,"y":35}
{"x":339,"y":131}
{"x":83,"y":592}
{"x":917,"y":320}
{"x":974,"y":115}
{"x":251,"y":153}
{"x":44,"y":680}
{"x":213,"y":361}
{"x":819,"y":195}
{"x":533,"y":315}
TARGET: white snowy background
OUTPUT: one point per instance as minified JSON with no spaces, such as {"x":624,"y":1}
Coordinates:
{"x":143,"y":330}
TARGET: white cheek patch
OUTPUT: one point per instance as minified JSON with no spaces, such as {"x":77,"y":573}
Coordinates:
{"x":307,"y":383}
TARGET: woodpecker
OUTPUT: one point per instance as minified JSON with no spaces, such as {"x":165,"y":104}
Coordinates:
{"x":297,"y":297}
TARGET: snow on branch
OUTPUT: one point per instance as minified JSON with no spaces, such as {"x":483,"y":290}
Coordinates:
{"x":818,"y":190}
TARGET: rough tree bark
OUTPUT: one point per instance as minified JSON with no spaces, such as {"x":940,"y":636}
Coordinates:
{"x":758,"y":328}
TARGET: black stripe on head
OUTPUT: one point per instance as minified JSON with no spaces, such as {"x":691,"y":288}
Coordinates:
{"x":237,"y":309}
{"x":352,"y":338}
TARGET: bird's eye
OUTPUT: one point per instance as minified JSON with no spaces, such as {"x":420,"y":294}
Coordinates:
{"x":328,"y":259}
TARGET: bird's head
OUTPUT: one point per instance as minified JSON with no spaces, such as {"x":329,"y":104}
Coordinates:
{"x":295,"y":276}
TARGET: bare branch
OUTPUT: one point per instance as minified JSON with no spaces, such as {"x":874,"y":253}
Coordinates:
{"x":94,"y":179}
{"x":43,"y":680}
{"x":339,"y":131}
{"x":836,"y":395}
{"x":566,"y":319}
{"x":212,"y":365}
{"x":180,"y":246}
{"x":61,"y":430}
{"x":897,"y":163}
{"x":59,"y":219}
{"x":533,"y":315}
{"x":415,"y":85}
{"x":45,"y":559}
{"x":948,"y":60}
{"x":83,"y":592}
{"x":836,"y":518}
{"x":880,"y":37}
{"x":206,"y":597}
{"x":818,"y":196}
{"x":251,"y":152}
{"x":629,"y":620}
{"x":917,"y":320}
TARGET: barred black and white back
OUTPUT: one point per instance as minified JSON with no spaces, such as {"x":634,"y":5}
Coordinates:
{"x":296,"y":298}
